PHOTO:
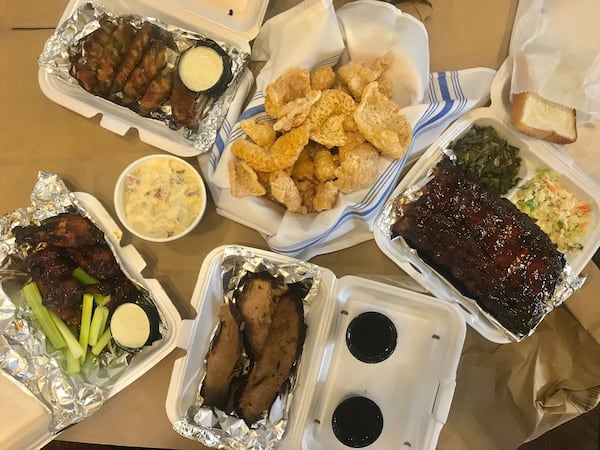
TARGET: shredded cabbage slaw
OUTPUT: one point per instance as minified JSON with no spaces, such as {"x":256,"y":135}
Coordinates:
{"x":562,"y":216}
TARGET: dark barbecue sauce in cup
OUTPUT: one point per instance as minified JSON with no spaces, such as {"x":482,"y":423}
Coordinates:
{"x":371,"y":337}
{"x":357,"y":422}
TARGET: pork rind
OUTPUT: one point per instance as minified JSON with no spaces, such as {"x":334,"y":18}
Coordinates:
{"x":331,"y":117}
{"x":292,"y":84}
{"x":381,"y":122}
{"x":261,"y":132}
{"x":284,"y":190}
{"x":294,"y":113}
{"x":358,"y":167}
{"x":323,"y":135}
{"x":322,"y":78}
{"x":356,"y":75}
{"x":244,"y":180}
{"x":282,"y":154}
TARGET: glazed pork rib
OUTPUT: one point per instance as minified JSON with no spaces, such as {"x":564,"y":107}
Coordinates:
{"x":68,"y":229}
{"x":484,"y":246}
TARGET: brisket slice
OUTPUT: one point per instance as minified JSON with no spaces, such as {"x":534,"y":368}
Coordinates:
{"x":272,"y":370}
{"x":223,"y":359}
{"x":256,"y":303}
{"x":484,"y":246}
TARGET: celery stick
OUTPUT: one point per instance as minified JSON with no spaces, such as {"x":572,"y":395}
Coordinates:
{"x":73,"y":364}
{"x":86,"y":319}
{"x":83,"y":277}
{"x":34,"y":299}
{"x":101,"y":299}
{"x":102,"y":341}
{"x":98,"y":321}
{"x":104,"y":321}
{"x":68,"y":336}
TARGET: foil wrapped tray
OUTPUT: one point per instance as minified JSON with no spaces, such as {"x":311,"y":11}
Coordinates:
{"x":531,"y":152}
{"x":415,"y":377}
{"x":57,"y":82}
{"x":33,"y":367}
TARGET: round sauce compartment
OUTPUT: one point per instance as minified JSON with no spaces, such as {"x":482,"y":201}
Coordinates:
{"x":371,"y":337}
{"x":357,"y":422}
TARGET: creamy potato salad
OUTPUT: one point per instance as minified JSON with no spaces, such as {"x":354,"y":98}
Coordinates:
{"x":162,"y":198}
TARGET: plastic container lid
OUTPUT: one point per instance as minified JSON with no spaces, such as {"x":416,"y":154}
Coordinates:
{"x":413,"y":386}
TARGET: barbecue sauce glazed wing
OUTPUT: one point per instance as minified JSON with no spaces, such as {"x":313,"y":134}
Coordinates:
{"x":57,"y":246}
{"x":484,"y":246}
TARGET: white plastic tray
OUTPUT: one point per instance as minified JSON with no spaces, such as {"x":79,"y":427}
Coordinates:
{"x":413,"y":387}
{"x":34,"y":417}
{"x":534,"y":153}
{"x":211,"y":17}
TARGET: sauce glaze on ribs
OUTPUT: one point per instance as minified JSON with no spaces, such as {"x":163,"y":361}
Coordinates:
{"x":484,"y":246}
{"x":60,"y":244}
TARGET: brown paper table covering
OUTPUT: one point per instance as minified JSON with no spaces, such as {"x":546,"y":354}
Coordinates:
{"x":505,"y":394}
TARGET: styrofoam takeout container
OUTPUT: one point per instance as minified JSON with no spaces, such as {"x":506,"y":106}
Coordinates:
{"x":212,"y":18}
{"x":535,"y":154}
{"x":29,"y":428}
{"x":413,"y":387}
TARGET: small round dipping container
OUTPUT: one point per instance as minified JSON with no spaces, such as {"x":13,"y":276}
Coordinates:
{"x":160,"y":198}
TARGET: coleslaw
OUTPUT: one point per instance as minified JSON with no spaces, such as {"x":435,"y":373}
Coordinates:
{"x":562,"y":216}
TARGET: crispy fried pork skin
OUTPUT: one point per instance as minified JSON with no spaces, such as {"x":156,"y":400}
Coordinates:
{"x":484,"y":246}
{"x":256,"y":304}
{"x":222,"y":359}
{"x":274,"y":367}
{"x":64,"y":230}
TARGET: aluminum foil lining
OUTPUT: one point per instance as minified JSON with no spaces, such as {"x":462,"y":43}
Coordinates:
{"x":55,"y":59}
{"x":568,"y":282}
{"x":215,"y":428}
{"x":23,"y":352}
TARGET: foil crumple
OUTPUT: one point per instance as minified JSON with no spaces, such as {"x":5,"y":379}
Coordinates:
{"x":24,"y":354}
{"x":567,"y":283}
{"x":216,"y":428}
{"x":56,"y":55}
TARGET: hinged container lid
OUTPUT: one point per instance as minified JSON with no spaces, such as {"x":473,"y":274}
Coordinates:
{"x":413,"y":385}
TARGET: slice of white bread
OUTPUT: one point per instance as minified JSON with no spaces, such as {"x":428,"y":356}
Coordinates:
{"x":541,"y":118}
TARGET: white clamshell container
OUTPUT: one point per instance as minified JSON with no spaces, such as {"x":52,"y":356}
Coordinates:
{"x":29,"y":428}
{"x":413,"y":387}
{"x":534,"y":154}
{"x":230,"y":21}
